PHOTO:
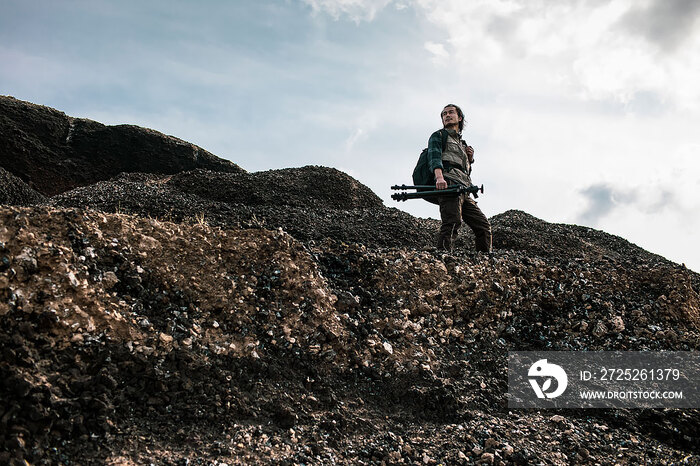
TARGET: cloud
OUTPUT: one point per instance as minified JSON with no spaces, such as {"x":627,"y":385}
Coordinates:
{"x":601,"y":202}
{"x":604,"y":198}
{"x":440,"y":54}
{"x":356,"y":136}
{"x":356,"y":10}
{"x":593,"y":50}
{"x":667,"y":24}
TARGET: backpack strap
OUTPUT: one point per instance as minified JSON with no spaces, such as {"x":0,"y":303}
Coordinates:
{"x":469,"y":157}
{"x":443,"y":133}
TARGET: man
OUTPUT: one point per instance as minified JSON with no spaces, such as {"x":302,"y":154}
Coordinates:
{"x":453,"y":166}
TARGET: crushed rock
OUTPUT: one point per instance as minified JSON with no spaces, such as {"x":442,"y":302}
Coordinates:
{"x":14,"y":191}
{"x":344,"y":210}
{"x":166,"y":316}
{"x":131,"y":339}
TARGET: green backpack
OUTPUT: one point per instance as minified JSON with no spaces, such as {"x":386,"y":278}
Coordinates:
{"x":422,"y":174}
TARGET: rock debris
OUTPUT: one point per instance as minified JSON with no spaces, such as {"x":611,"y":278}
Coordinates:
{"x":208,"y":317}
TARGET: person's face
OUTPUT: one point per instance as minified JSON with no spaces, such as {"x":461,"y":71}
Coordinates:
{"x":450,"y":116}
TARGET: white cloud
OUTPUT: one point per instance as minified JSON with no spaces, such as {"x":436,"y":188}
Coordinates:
{"x":357,"y":10}
{"x":592,"y":46}
{"x":356,"y":136}
{"x":440,"y":54}
{"x":365,"y":124}
{"x":596,"y":50}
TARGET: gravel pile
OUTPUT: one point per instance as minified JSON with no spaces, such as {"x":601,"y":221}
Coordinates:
{"x":221,"y":317}
{"x":128,"y":339}
{"x":320,"y":203}
{"x":307,"y":187}
{"x":520,"y":231}
{"x":14,"y":191}
{"x":313,"y":203}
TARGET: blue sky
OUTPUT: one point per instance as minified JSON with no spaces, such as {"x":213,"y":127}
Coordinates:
{"x":580,"y":112}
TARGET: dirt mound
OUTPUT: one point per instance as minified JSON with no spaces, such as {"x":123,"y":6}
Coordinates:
{"x":129,"y":340}
{"x":344,"y":210}
{"x":307,"y":187}
{"x":521,"y":231}
{"x":14,"y":191}
{"x":53,"y":152}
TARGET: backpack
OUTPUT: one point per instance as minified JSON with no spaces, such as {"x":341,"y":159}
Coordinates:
{"x":422,"y":174}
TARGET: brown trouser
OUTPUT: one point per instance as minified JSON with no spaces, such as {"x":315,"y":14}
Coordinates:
{"x":454,"y":209}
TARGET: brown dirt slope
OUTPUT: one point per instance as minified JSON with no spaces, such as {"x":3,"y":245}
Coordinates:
{"x":129,"y":340}
{"x":53,"y":152}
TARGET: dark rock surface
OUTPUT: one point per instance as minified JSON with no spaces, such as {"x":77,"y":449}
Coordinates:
{"x":14,"y":191}
{"x":310,"y":203}
{"x":521,"y":231}
{"x":53,"y":152}
{"x":310,"y":187}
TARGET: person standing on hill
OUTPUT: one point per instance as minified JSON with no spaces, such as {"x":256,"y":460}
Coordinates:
{"x":452,"y":164}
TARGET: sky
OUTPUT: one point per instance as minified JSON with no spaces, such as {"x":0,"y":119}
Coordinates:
{"x":581,"y":112}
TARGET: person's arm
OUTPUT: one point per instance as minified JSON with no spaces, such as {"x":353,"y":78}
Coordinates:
{"x":440,"y":182}
{"x":435,"y":158}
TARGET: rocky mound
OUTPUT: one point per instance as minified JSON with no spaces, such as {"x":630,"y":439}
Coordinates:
{"x":314,"y":203}
{"x":198,"y":317}
{"x":14,"y":191}
{"x":306,"y":187}
{"x":321,"y":203}
{"x":128,"y":340}
{"x":53,"y":152}
{"x":522,"y":232}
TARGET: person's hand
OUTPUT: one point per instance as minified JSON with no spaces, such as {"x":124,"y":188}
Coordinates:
{"x":470,"y":154}
{"x":440,"y":183}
